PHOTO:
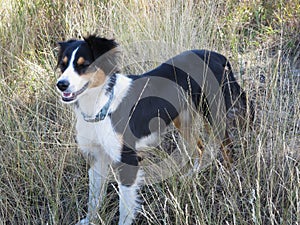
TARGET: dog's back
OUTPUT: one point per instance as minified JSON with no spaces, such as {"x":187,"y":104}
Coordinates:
{"x":194,"y":72}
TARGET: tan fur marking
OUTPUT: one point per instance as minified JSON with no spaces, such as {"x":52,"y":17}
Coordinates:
{"x":177,"y":122}
{"x":200,"y":147}
{"x":200,"y":144}
{"x":80,"y":61}
{"x":226,"y":149}
{"x":96,"y":78}
{"x":65,"y":60}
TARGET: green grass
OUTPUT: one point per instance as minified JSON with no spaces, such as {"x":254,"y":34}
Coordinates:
{"x":43,"y":177}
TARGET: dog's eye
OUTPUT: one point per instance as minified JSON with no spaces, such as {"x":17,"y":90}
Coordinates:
{"x":82,"y":62}
{"x":62,"y":65}
{"x":82,"y":67}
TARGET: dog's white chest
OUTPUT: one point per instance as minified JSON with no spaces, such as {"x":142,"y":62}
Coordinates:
{"x":100,"y":136}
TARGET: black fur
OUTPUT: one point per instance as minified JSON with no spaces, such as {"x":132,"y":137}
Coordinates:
{"x":91,"y":48}
{"x":99,"y":45}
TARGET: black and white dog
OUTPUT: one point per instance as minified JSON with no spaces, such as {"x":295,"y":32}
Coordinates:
{"x":119,"y":114}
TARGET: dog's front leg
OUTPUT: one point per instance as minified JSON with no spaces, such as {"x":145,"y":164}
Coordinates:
{"x":130,"y":179}
{"x":97,"y":175}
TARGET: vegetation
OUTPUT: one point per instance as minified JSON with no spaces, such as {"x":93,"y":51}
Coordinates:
{"x":43,"y":177}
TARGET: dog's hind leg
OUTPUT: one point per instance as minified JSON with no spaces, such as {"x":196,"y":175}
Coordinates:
{"x":227,"y":150}
{"x":183,"y":125}
{"x":200,"y":150}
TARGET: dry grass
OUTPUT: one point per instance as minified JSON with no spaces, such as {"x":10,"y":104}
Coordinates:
{"x":43,"y":177}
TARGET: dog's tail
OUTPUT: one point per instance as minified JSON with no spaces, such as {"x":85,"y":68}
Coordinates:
{"x":238,"y":102}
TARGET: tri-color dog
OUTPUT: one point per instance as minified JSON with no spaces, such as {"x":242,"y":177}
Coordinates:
{"x":118,"y":114}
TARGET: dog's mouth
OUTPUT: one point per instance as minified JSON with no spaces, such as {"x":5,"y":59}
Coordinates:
{"x":72,"y":96}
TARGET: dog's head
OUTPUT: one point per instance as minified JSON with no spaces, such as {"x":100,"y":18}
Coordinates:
{"x":85,"y":64}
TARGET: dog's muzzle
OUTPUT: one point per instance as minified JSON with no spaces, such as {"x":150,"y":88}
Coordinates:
{"x":68,"y":96}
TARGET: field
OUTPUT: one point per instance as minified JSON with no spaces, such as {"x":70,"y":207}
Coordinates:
{"x":43,"y":176}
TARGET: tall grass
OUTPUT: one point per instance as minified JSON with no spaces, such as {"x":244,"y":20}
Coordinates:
{"x":43,"y":177}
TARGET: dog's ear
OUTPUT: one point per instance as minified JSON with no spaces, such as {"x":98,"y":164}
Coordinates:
{"x":99,"y":45}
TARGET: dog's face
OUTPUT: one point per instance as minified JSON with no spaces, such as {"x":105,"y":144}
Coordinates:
{"x":75,"y":60}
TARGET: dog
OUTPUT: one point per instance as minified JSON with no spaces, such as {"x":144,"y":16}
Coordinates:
{"x":119,"y":114}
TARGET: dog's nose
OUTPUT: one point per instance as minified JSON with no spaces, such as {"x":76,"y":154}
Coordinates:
{"x":63,"y":85}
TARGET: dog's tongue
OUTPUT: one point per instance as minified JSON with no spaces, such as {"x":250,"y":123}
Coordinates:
{"x":66,"y":94}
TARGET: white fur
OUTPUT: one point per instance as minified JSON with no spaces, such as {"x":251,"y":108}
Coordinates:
{"x":98,"y":173}
{"x":102,"y":133}
{"x":129,"y":202}
{"x":148,"y":141}
{"x":92,"y":137}
{"x":92,"y":100}
{"x":121,"y":88}
{"x":99,"y":142}
{"x":76,"y":82}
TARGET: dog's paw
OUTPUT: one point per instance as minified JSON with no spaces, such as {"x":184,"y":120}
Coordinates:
{"x":84,"y":221}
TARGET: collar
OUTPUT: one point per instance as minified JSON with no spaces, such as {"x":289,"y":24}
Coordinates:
{"x":104,"y":111}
